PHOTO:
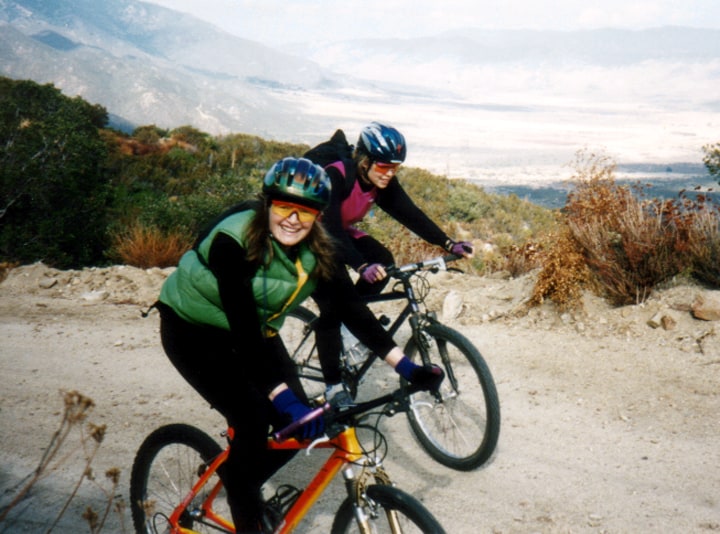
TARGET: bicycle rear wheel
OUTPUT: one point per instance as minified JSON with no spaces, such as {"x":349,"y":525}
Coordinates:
{"x":460,"y":432}
{"x":166,"y":466}
{"x":388,"y":509}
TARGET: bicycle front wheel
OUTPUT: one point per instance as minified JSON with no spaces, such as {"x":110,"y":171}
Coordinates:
{"x":462,"y":430}
{"x":166,"y":466}
{"x":386,"y":509}
{"x":298,"y":335}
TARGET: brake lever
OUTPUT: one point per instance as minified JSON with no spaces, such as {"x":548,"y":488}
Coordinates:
{"x":317,"y":441}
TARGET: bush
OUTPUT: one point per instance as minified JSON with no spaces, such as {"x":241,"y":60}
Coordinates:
{"x":145,"y":247}
{"x":628,"y":243}
{"x":53,"y":188}
{"x":704,"y":245}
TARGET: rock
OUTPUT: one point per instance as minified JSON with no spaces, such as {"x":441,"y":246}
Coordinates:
{"x":94,"y":296}
{"x":452,"y":305}
{"x":47,"y":282}
{"x":654,"y":321}
{"x":706,"y":307}
{"x":668,"y":322}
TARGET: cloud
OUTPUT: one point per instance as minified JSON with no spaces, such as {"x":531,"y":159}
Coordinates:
{"x":281,"y":22}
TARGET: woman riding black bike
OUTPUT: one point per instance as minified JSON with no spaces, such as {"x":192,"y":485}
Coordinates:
{"x":222,"y":307}
{"x":366,"y":179}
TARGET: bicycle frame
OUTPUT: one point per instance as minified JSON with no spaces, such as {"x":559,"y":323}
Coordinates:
{"x":347,"y":451}
{"x":412,"y":308}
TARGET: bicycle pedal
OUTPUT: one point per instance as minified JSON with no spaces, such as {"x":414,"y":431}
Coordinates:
{"x":285,"y":496}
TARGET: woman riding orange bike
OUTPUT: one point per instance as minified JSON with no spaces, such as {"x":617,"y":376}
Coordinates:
{"x":361,"y":180}
{"x":222,"y":307}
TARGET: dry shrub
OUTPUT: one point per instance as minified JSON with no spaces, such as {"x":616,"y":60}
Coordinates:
{"x":521,"y":259}
{"x":704,"y":246}
{"x":564,"y":274}
{"x":145,"y":247}
{"x":629,"y":244}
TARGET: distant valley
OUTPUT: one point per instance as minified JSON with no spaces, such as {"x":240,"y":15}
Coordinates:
{"x":503,"y":107}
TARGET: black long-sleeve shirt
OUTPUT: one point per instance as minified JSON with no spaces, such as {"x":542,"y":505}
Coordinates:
{"x":261,"y":360}
{"x":394,"y":200}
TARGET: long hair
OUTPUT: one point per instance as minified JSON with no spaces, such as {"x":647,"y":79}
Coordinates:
{"x":260,"y":249}
{"x":363,"y":162}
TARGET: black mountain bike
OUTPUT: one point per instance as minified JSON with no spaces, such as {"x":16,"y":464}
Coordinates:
{"x":459,"y":426}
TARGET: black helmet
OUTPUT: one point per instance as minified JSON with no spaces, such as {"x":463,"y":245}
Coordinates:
{"x":298,"y":180}
{"x":382,"y":143}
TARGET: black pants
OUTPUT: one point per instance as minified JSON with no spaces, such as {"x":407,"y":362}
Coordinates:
{"x":327,"y":333}
{"x":205,"y":357}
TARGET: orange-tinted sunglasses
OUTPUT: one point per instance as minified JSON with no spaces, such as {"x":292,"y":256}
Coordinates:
{"x":286,"y":209}
{"x":384,"y":168}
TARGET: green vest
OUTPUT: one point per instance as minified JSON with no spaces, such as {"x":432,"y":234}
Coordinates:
{"x":192,"y":289}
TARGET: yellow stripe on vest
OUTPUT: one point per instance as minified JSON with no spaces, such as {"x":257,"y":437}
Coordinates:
{"x":302,"y":278}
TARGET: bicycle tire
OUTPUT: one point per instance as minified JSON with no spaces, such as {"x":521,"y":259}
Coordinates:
{"x":411,"y":515}
{"x":462,"y":431}
{"x":298,"y":335}
{"x":166,"y":466}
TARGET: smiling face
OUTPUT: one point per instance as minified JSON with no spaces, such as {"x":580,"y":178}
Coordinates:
{"x":290,"y":223}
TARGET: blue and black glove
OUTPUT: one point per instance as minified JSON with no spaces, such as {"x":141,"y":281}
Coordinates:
{"x":287,"y":403}
{"x":426,"y":377}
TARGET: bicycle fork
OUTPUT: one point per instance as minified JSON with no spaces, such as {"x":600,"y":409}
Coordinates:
{"x":423,"y":340}
{"x":365,"y":508}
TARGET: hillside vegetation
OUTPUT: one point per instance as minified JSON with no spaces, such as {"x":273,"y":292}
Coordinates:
{"x":74,"y":194}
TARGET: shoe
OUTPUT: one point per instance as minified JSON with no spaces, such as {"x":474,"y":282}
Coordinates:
{"x":338,"y":397}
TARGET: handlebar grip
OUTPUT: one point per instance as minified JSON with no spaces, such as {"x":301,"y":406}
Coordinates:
{"x":285,"y":433}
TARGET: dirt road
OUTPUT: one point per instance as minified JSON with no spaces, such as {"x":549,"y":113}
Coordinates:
{"x":608,"y":425}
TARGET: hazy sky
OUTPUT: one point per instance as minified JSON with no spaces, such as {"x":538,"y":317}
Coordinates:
{"x":283,"y":21}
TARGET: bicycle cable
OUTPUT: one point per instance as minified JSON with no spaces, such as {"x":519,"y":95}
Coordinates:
{"x":379,"y":449}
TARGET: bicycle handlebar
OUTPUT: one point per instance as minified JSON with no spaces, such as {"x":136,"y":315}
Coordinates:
{"x":439,"y":262}
{"x":397,"y":398}
{"x":285,"y":433}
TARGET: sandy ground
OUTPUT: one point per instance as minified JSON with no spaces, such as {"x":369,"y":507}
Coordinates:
{"x":608,"y":424}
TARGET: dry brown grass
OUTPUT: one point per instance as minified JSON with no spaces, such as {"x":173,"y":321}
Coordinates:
{"x":704,"y":247}
{"x":61,"y":450}
{"x":145,"y":247}
{"x":521,"y":259}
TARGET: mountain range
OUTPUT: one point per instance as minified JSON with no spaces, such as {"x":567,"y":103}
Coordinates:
{"x":150,"y":65}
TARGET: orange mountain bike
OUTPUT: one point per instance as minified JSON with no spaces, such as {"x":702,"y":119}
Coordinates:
{"x":175,"y":488}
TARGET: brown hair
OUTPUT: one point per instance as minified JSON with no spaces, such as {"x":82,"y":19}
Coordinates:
{"x":260,"y":250}
{"x":363,"y":162}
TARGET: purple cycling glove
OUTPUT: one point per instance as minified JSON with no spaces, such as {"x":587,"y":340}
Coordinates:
{"x":461,"y":248}
{"x":371,"y":273}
